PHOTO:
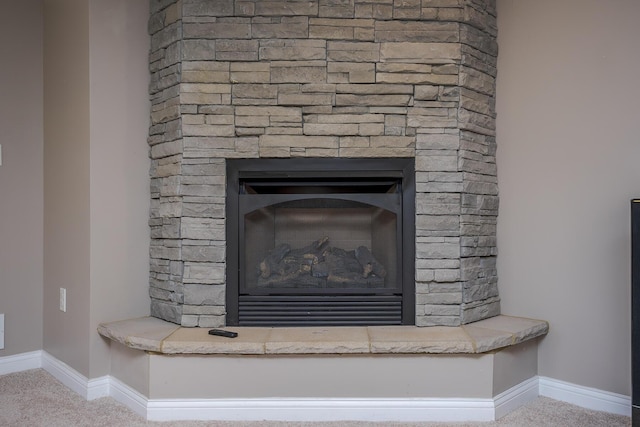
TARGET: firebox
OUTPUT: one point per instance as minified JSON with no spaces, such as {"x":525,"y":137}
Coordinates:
{"x":315,"y":241}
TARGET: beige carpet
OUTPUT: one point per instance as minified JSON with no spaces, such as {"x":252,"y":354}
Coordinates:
{"x":34,"y":398}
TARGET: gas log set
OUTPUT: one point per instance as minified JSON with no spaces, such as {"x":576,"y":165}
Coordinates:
{"x":320,"y":265}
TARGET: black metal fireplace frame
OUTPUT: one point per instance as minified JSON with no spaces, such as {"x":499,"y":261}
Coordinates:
{"x":397,"y":307}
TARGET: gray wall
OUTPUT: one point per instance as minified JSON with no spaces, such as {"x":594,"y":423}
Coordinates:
{"x":568,"y":164}
{"x":96,"y":165}
{"x":567,"y":161}
{"x":21,"y":186}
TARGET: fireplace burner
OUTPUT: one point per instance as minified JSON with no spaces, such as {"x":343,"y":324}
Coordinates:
{"x":320,"y":242}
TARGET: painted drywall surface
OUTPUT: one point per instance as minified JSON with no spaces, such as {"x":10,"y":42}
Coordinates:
{"x":130,"y":366}
{"x":66,"y":180}
{"x":21,"y":185}
{"x":514,"y":365}
{"x":568,"y":164}
{"x":335,"y":376}
{"x":119,"y":192}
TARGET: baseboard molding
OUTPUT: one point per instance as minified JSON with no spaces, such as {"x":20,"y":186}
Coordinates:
{"x":402,"y":410}
{"x":515,"y":397}
{"x":586,"y":397}
{"x":306,"y":410}
{"x":21,"y":362}
{"x":129,"y":397}
{"x":89,"y":389}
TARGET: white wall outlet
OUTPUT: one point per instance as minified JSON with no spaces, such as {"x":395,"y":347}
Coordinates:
{"x":1,"y":331}
{"x":63,"y":299}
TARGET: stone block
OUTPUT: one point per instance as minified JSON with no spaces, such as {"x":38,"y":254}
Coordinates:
{"x":417,"y":31}
{"x":426,"y":321}
{"x":207,"y":7}
{"x":287,"y":27}
{"x":245,"y":8}
{"x":166,"y":36}
{"x":374,"y":129}
{"x":477,"y":81}
{"x":336,"y":9}
{"x":298,"y":72}
{"x":392,"y":141}
{"x":207,"y":321}
{"x":226,"y":28}
{"x":473,"y":313}
{"x":341,"y":29}
{"x":437,"y":250}
{"x":302,"y":141}
{"x":170,"y":312}
{"x":438,"y":222}
{"x":438,"y":204}
{"x":209,"y":130}
{"x":374,"y":89}
{"x":424,"y":275}
{"x":437,"y":142}
{"x":250,"y":72}
{"x":330,"y":129}
{"x":284,"y":50}
{"x":447,"y":275}
{"x":236,"y":50}
{"x":439,"y":298}
{"x":422,"y":53}
{"x":202,"y":228}
{"x":201,"y":50}
{"x":286,"y":8}
{"x":167,"y":149}
{"x":476,"y":122}
{"x":479,"y":40}
{"x":416,"y":78}
{"x":202,"y":273}
{"x":441,"y":310}
{"x":378,"y":152}
{"x":426,"y":92}
{"x":353,"y":51}
{"x":354,"y":142}
{"x":305,"y":99}
{"x":356,"y":72}
{"x":373,"y":100}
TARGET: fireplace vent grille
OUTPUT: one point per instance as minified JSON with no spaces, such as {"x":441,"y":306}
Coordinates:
{"x":362,"y":310}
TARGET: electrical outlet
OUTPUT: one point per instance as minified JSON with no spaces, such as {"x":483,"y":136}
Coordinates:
{"x":1,"y":331}
{"x":63,"y":300}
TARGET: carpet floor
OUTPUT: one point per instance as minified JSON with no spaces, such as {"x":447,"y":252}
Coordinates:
{"x":36,"y":399}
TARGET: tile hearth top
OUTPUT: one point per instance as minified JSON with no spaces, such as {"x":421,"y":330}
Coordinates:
{"x":159,"y":336}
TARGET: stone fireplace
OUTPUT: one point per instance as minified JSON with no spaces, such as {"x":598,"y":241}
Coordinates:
{"x":324,"y":79}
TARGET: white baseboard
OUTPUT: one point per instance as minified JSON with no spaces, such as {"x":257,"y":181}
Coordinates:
{"x":402,"y":410}
{"x":20,"y":362}
{"x":515,"y":397}
{"x":129,"y":397}
{"x":89,"y":389}
{"x":304,"y":410}
{"x":586,"y":397}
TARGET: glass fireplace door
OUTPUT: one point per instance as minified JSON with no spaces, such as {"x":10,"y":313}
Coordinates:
{"x":320,"y":242}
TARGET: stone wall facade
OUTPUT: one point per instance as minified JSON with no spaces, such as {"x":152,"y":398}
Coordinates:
{"x":324,"y":78}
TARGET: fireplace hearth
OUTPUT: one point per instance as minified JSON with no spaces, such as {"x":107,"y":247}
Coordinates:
{"x":320,"y":242}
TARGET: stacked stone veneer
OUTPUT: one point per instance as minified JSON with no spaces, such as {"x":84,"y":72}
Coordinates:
{"x":324,"y":78}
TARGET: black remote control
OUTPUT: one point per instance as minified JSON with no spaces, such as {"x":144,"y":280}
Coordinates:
{"x":223,"y":333}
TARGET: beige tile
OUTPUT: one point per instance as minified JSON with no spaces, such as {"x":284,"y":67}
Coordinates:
{"x":314,"y":340}
{"x":198,"y":341}
{"x":145,"y":333}
{"x":410,"y":339}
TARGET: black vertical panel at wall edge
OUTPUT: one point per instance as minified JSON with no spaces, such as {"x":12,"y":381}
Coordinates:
{"x":635,"y":311}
